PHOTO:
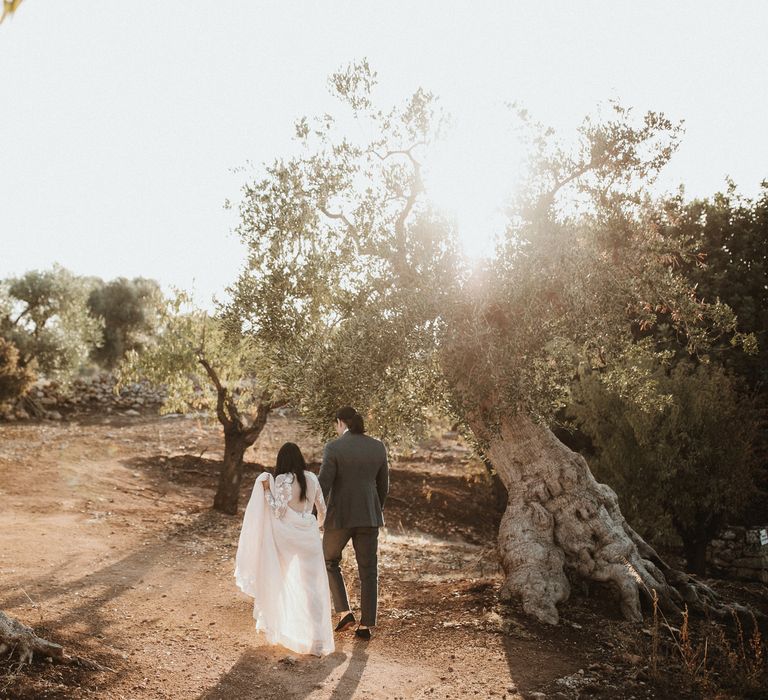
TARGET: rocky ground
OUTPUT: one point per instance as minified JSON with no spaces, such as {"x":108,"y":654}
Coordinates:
{"x":110,"y":548}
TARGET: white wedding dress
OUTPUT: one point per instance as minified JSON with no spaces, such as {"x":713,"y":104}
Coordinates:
{"x":280,"y":564}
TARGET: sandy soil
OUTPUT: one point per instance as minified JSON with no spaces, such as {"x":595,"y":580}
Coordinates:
{"x":109,"y":547}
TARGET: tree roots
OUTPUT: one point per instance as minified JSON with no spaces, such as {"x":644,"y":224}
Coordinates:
{"x":560,"y":519}
{"x":21,"y":640}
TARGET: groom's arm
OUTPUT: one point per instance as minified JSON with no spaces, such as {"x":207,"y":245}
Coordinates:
{"x":382,"y":480}
{"x":327,"y":473}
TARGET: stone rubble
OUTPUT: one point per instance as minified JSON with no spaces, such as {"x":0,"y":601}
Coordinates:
{"x":51,"y":400}
{"x":737,"y":553}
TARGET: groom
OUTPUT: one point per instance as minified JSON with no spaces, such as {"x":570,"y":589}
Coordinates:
{"x":354,"y":477}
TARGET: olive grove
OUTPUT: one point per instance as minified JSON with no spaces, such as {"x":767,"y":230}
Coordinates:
{"x":356,"y":291}
{"x":205,"y":368}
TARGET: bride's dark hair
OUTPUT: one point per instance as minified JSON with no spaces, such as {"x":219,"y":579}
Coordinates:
{"x":352,"y":418}
{"x":291,"y":461}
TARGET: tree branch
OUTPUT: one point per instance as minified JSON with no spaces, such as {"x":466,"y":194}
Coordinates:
{"x":221,"y":393}
{"x":253,"y":432}
{"x":574,"y":175}
{"x":417,"y":187}
{"x":20,"y":316}
{"x":407,"y":152}
{"x":341,"y":216}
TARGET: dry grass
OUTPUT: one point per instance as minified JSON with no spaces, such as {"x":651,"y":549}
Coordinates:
{"x":706,"y":658}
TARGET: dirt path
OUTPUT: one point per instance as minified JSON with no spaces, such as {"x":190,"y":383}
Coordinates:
{"x":109,"y":547}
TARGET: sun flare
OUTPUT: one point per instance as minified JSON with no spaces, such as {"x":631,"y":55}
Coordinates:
{"x":471,"y":173}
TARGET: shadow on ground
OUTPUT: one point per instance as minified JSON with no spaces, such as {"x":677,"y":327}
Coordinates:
{"x":248,"y":677}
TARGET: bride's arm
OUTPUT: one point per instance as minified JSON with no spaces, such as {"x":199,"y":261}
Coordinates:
{"x":320,"y":504}
{"x":278,"y":500}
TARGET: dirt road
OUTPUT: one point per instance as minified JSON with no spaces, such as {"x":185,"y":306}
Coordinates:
{"x":109,"y":547}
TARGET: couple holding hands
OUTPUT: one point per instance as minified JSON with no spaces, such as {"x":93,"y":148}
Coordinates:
{"x":282,"y":562}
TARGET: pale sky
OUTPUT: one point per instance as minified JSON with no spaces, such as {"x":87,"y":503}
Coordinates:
{"x":122,"y":121}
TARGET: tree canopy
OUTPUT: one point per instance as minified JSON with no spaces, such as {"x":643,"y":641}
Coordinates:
{"x":128,"y":310}
{"x":356,"y":289}
{"x":45,"y":315}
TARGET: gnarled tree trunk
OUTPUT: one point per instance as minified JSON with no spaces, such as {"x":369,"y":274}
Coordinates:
{"x":559,"y":519}
{"x":17,"y":638}
{"x":237,"y":440}
{"x":228,"y":489}
{"x":238,"y":437}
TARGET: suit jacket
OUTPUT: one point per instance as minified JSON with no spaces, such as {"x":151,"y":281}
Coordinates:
{"x":354,"y":477}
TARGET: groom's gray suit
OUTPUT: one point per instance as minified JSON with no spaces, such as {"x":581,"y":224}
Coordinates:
{"x":354,"y":477}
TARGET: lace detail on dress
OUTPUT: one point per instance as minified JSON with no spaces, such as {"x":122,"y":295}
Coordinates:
{"x":319,"y":502}
{"x":278,"y":501}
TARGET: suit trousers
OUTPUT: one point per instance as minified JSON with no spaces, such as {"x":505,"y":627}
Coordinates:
{"x":365,"y":541}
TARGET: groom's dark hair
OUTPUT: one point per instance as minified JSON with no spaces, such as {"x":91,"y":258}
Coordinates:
{"x":291,"y":461}
{"x":352,"y":418}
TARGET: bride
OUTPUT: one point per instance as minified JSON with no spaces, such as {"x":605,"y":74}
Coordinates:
{"x":279,"y":560}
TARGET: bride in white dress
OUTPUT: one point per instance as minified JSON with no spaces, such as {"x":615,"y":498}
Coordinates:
{"x":280,"y":560}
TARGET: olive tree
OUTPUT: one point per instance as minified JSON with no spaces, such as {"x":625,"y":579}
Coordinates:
{"x":354,"y":286}
{"x":205,"y":368}
{"x":46,"y":317}
{"x":128,"y":310}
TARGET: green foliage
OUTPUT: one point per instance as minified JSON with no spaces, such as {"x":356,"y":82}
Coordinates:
{"x":356,"y":293}
{"x":14,"y":379}
{"x":584,"y":271}
{"x":730,"y":233}
{"x":45,"y":315}
{"x":185,"y":334}
{"x":128,"y":310}
{"x":342,"y":248}
{"x":680,"y":469}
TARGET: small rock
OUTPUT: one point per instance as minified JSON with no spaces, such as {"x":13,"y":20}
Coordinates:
{"x":605,"y":668}
{"x":289,"y":660}
{"x":632,"y":659}
{"x":131,"y":412}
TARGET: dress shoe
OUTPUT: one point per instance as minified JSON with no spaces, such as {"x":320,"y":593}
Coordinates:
{"x":363,"y":633}
{"x":345,"y":623}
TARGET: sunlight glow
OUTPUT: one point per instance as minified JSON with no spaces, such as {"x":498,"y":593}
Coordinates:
{"x":472,"y":173}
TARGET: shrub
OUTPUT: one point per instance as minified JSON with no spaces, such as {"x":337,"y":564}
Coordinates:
{"x":683,"y":468}
{"x":15,"y":379}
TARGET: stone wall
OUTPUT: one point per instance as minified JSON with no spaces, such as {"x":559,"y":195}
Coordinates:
{"x":737,"y":553}
{"x":49,"y":400}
